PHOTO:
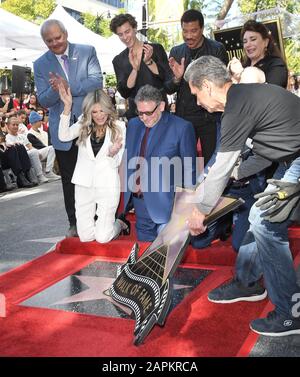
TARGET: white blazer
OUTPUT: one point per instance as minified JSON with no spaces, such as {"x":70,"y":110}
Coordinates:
{"x":90,"y":171}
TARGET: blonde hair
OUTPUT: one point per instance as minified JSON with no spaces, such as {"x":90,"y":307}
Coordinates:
{"x":101,"y":98}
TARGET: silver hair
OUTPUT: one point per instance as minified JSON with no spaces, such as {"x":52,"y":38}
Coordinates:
{"x":207,"y":68}
{"x":48,"y":23}
{"x":148,"y":93}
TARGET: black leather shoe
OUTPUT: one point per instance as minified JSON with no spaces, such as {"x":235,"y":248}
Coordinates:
{"x":10,"y":186}
{"x":72,"y":232}
{"x":226,"y":232}
{"x":7,"y":187}
{"x":125,"y":224}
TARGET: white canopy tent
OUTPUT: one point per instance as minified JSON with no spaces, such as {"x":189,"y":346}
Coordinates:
{"x":21,"y":43}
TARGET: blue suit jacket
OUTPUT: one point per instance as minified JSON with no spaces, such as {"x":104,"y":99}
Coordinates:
{"x":84,"y":76}
{"x":170,"y":137}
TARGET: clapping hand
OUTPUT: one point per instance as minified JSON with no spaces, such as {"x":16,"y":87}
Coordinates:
{"x":134,"y":59}
{"x":177,"y":69}
{"x":148,"y":52}
{"x":55,"y":79}
{"x":280,"y":201}
{"x":115,"y":147}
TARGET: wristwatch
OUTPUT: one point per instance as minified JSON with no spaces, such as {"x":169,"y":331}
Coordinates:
{"x":150,"y":62}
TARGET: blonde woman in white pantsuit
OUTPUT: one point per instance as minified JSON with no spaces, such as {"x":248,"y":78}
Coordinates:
{"x":101,"y":139}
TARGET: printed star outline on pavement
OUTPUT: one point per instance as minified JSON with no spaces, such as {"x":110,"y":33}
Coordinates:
{"x":95,"y":291}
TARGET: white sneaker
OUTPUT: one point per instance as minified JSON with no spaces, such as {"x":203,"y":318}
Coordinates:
{"x":42,"y":179}
{"x":51,"y":176}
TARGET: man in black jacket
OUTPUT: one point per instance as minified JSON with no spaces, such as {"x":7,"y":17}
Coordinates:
{"x":139,"y":64}
{"x":194,"y":46}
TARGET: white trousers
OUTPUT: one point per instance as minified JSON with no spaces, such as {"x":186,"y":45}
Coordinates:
{"x":91,"y":201}
{"x":47,"y":154}
{"x":33,"y":155}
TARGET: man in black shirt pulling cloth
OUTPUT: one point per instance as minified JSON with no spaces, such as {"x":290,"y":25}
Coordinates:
{"x":270,"y":115}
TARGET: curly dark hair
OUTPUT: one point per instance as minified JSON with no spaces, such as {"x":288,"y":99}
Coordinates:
{"x":258,"y":27}
{"x":120,"y":20}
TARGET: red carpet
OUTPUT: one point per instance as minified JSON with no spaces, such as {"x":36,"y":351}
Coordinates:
{"x":195,"y":327}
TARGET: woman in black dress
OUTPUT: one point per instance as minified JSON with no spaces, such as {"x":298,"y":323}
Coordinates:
{"x":262,"y":52}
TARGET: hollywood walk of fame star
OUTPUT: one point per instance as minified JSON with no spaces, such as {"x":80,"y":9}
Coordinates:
{"x":95,"y":291}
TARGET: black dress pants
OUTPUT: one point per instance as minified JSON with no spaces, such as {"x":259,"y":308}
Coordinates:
{"x":205,"y":126}
{"x":2,"y":180}
{"x":66,"y":162}
{"x":206,"y":131}
{"x":16,"y":158}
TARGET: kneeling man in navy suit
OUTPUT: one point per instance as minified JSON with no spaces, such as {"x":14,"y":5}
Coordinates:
{"x":160,"y":155}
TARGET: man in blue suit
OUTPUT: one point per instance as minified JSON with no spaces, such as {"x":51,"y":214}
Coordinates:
{"x":161,"y":154}
{"x":75,"y":66}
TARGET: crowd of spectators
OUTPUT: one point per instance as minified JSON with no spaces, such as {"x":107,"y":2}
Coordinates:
{"x":27,"y":157}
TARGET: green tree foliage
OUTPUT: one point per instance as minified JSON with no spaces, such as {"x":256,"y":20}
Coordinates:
{"x":99,"y":25}
{"x":6,"y":72}
{"x":292,"y":53}
{"x":110,"y":81}
{"x":32,"y":10}
{"x":209,"y":9}
{"x":159,"y":35}
{"x":250,"y":6}
{"x":193,"y":4}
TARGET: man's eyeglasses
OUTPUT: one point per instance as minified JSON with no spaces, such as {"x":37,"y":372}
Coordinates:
{"x":147,"y":113}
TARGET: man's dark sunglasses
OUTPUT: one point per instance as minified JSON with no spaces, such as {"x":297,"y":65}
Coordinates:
{"x":148,"y":113}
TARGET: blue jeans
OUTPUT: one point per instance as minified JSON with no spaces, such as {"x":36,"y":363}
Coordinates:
{"x":240,"y":215}
{"x":265,"y":251}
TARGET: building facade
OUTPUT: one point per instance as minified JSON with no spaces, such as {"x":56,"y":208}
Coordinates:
{"x":95,"y":7}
